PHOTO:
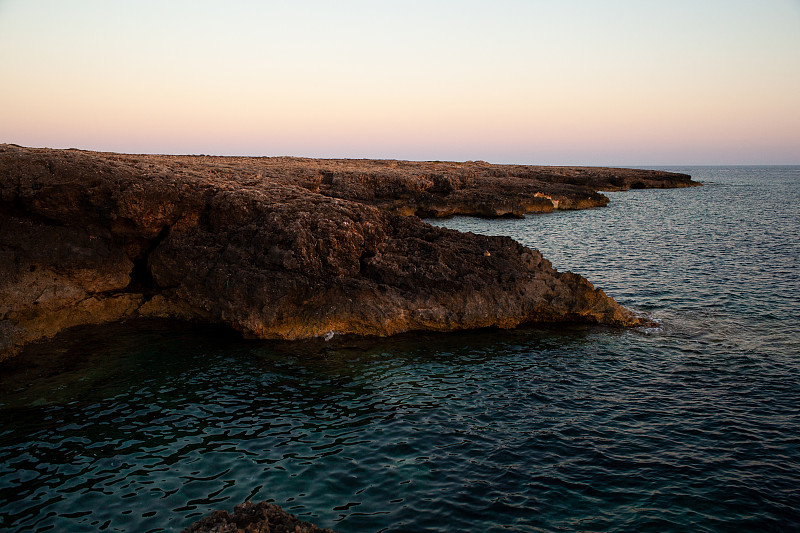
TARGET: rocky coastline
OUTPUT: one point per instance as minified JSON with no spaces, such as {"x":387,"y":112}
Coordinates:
{"x":285,"y":248}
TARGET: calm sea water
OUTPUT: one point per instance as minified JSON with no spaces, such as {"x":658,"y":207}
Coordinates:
{"x":691,"y":426}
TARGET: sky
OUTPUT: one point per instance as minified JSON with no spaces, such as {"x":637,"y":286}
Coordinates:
{"x":565,"y":82}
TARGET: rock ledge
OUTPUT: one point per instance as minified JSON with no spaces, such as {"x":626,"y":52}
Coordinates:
{"x":284,"y":248}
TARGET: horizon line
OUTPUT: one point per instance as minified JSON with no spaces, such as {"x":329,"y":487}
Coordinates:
{"x":399,"y":159}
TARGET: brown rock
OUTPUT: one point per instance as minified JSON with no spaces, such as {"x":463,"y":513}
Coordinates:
{"x":248,"y":517}
{"x":282,"y":247}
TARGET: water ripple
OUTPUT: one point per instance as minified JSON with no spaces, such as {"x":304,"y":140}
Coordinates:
{"x":692,"y":425}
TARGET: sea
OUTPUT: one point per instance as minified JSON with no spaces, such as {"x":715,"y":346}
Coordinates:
{"x":690,"y":425}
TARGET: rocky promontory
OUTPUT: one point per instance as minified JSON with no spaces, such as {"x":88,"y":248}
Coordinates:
{"x":284,"y":248}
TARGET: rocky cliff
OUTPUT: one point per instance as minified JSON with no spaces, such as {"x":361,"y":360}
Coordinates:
{"x":283,"y":248}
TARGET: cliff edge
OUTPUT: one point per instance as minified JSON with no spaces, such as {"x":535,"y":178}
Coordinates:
{"x":283,"y":248}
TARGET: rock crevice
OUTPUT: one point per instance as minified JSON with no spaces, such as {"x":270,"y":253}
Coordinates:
{"x":141,"y":277}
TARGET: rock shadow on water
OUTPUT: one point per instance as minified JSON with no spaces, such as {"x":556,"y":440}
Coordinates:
{"x":87,"y":363}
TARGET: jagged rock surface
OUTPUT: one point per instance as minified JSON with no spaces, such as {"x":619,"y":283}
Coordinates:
{"x":282,"y":247}
{"x":250,"y":517}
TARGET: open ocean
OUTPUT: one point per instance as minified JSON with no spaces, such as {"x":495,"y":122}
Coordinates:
{"x":690,"y":426}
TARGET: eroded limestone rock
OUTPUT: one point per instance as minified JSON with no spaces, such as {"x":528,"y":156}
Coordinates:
{"x":250,"y":517}
{"x":282,"y":248}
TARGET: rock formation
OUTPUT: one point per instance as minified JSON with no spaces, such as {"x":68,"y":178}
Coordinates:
{"x":283,"y":248}
{"x":248,"y":517}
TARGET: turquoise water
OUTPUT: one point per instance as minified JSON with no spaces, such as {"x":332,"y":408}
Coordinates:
{"x":691,"y":426}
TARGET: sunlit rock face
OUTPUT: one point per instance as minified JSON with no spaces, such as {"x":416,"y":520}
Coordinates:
{"x":283,"y":248}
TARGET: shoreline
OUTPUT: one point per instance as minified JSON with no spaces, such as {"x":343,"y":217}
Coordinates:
{"x":285,"y":248}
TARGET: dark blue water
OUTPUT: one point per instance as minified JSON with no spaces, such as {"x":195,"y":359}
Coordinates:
{"x":691,"y":426}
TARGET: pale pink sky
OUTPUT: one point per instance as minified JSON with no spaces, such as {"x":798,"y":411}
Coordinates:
{"x":511,"y":81}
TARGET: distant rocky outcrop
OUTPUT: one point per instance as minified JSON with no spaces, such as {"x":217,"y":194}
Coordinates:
{"x":250,"y":517}
{"x":283,"y":248}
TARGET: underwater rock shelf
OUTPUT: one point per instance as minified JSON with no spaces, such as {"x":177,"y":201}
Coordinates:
{"x":282,"y":247}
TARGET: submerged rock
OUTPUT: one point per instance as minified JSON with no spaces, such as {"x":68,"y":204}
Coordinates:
{"x":282,"y":248}
{"x":248,"y":517}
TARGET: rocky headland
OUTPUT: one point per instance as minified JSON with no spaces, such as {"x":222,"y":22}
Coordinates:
{"x":284,"y":248}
